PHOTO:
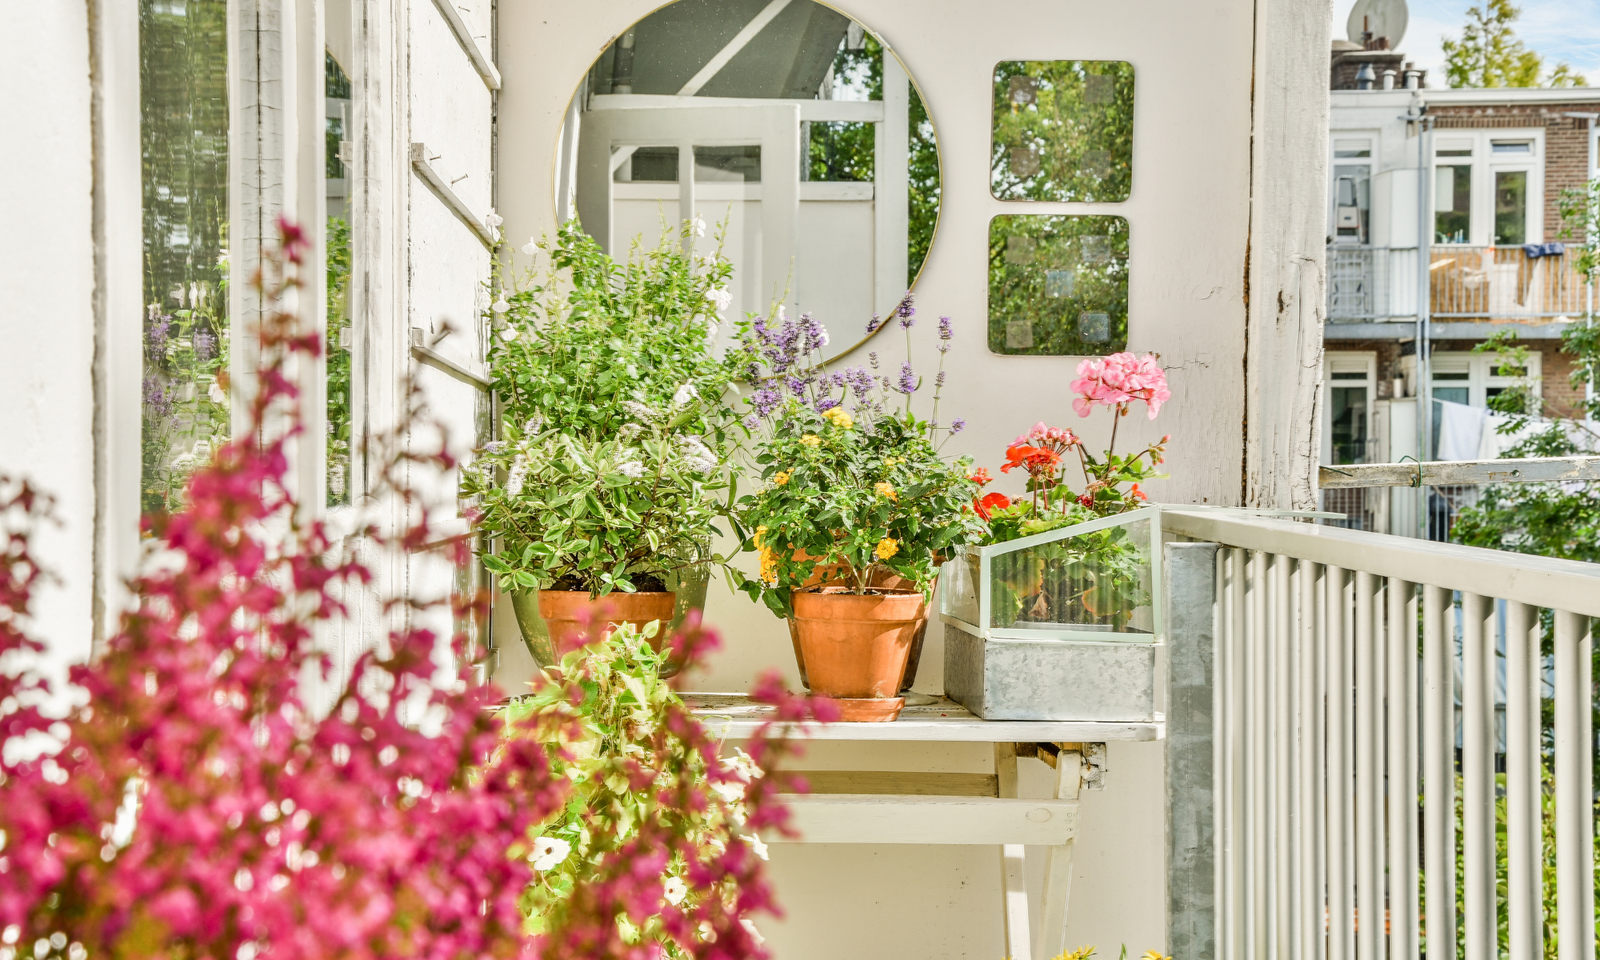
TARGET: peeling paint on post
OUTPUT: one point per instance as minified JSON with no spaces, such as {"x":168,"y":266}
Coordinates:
{"x":1191,"y":571}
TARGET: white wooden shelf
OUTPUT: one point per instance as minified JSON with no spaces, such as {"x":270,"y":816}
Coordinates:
{"x":735,"y":717}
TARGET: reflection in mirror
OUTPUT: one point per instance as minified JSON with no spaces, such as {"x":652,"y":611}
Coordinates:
{"x":1063,"y":130}
{"x":1058,"y":285}
{"x":786,"y":121}
{"x":336,"y":177}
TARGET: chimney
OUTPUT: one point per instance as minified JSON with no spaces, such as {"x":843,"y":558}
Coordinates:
{"x":1388,"y":79}
{"x":1365,"y":77}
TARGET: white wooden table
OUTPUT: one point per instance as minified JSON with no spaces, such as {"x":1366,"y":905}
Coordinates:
{"x":953,"y":808}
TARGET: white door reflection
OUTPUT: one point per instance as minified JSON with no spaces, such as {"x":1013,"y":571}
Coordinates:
{"x":784,"y":124}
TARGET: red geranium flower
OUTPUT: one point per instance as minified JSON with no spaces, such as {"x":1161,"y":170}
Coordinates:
{"x":981,"y":477}
{"x":1036,"y":460}
{"x":993,"y":501}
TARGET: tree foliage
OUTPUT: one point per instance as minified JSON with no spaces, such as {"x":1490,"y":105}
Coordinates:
{"x":1488,"y":54}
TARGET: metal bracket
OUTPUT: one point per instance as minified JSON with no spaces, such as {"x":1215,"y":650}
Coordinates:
{"x":1094,"y":759}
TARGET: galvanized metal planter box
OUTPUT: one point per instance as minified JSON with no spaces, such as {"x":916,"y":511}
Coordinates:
{"x":1062,"y":625}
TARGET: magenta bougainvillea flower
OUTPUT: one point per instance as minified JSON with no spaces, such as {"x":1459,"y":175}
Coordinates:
{"x":195,"y":800}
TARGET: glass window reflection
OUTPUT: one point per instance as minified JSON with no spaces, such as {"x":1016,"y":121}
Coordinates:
{"x":1063,"y":130}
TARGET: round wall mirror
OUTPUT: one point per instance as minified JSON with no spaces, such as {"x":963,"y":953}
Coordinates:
{"x":785,"y":124}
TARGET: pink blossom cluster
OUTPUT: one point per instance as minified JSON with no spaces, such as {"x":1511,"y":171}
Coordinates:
{"x":1059,"y":439}
{"x":198,"y":807}
{"x":1118,"y":379}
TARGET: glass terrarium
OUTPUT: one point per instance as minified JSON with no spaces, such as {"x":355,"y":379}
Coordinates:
{"x":1097,"y":581}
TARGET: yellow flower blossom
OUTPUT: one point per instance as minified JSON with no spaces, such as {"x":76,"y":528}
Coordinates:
{"x":839,"y":418}
{"x":769,"y":567}
{"x":887,"y":547}
{"x":810,"y":440}
{"x":781,"y":477}
{"x":886,"y":489}
{"x":761,"y":531}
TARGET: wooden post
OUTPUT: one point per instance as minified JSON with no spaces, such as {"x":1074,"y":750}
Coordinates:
{"x":1058,"y":865}
{"x":1013,"y":876}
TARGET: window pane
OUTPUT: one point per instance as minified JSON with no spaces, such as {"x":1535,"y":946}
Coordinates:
{"x":837,"y":151}
{"x":1452,"y":205}
{"x":728,"y":164}
{"x":645,"y":165}
{"x":1349,"y":424}
{"x":183,"y":101}
{"x":337,"y":245}
{"x":1511,"y":207}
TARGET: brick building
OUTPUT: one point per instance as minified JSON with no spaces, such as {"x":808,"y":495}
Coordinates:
{"x":1497,"y":254}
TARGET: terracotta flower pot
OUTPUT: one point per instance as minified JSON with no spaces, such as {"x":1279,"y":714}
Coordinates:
{"x":881,"y":578}
{"x":855,"y":647}
{"x":570,"y":613}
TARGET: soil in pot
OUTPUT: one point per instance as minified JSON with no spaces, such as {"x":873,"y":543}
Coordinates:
{"x":855,"y":646}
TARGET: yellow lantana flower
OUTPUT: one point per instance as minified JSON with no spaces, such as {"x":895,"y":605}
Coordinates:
{"x":839,"y":418}
{"x":810,"y":440}
{"x":781,"y":477}
{"x":886,"y":489}
{"x":887,"y":547}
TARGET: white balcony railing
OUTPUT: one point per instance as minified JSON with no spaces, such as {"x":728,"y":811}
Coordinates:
{"x":1482,"y":283}
{"x":1340,"y":657}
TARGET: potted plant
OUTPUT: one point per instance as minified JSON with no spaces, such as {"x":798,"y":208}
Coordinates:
{"x":1052,"y":616}
{"x":854,"y":491}
{"x":602,"y":489}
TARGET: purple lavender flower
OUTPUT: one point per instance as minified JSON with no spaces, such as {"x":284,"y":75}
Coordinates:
{"x":765,"y":400}
{"x":908,"y":379}
{"x":205,"y":344}
{"x":945,"y":331}
{"x":157,"y":335}
{"x":494,"y":447}
{"x":872,"y":325}
{"x":814,"y":333}
{"x":824,"y":404}
{"x":796,"y":385}
{"x":157,"y":401}
{"x":938,"y":380}
{"x":751,"y":422}
{"x":873,"y":359}
{"x":957,"y":425}
{"x":905,"y":312}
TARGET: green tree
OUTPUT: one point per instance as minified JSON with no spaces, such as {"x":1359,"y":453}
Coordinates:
{"x":1488,"y":53}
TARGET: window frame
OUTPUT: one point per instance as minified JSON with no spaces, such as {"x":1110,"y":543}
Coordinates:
{"x":1364,"y":362}
{"x":1484,"y":168}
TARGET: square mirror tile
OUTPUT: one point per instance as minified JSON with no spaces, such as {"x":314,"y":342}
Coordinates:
{"x":1063,"y":130}
{"x":1058,"y":285}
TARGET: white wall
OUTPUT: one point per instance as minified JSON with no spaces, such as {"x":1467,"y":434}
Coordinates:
{"x":47,"y":286}
{"x":1189,"y":214}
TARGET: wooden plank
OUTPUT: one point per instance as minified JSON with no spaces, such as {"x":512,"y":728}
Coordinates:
{"x":909,"y":784}
{"x":934,"y":820}
{"x":440,"y":189}
{"x":469,"y":44}
{"x":736,"y":717}
{"x":1541,"y":581}
{"x":433,"y":358}
{"x":739,"y":42}
{"x":1459,"y":472}
{"x":1058,"y":864}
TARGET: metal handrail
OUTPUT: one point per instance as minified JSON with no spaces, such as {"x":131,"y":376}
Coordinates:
{"x":1541,"y":581}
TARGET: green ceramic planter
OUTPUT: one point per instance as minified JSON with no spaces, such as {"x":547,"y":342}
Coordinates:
{"x":690,"y":584}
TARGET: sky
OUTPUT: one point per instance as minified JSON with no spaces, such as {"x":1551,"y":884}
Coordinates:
{"x":1556,"y":29}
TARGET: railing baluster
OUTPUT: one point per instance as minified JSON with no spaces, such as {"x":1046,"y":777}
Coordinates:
{"x":1257,"y":882}
{"x":1319,"y":747}
{"x":1477,"y":774}
{"x":1400,"y":680}
{"x":1523,"y":868}
{"x":1281,"y":650}
{"x":1369,"y":837}
{"x":1231,"y":710}
{"x":1575,"y":928}
{"x":1307,"y":778}
{"x":1340,"y":820}
{"x":1439,"y":777}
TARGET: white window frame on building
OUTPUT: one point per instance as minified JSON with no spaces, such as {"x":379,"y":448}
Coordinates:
{"x":1489,"y":154}
{"x":1347,"y":370}
{"x":1481,"y":375}
{"x":1350,"y":187}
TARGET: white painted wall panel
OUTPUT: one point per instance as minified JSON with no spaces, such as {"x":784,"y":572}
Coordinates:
{"x":47,"y":285}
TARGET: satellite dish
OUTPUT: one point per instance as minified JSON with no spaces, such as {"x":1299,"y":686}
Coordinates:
{"x":1383,"y":18}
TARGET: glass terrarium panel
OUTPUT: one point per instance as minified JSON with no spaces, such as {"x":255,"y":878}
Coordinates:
{"x":958,"y":588}
{"x":1100,"y":581}
{"x":1058,"y":285}
{"x":1063,"y":130}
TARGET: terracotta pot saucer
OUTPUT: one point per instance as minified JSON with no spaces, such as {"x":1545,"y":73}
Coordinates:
{"x":868,"y":709}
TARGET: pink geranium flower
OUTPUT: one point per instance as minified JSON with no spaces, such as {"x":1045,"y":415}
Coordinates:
{"x":1120,"y":379}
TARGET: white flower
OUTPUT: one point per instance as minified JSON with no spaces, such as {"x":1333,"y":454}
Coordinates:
{"x":548,"y":852}
{"x":641,"y":411}
{"x":632,"y":469}
{"x":508,"y":334}
{"x":731,"y":791}
{"x":755,"y":934}
{"x":742,"y":764}
{"x":712,"y":329}
{"x":674,"y":890}
{"x":216,"y":393}
{"x":533,"y":426}
{"x":500,"y":306}
{"x":756,"y":845}
{"x":519,"y":476}
{"x":531,"y":247}
{"x":699,"y":226}
{"x":685,"y":393}
{"x":720,"y":296}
